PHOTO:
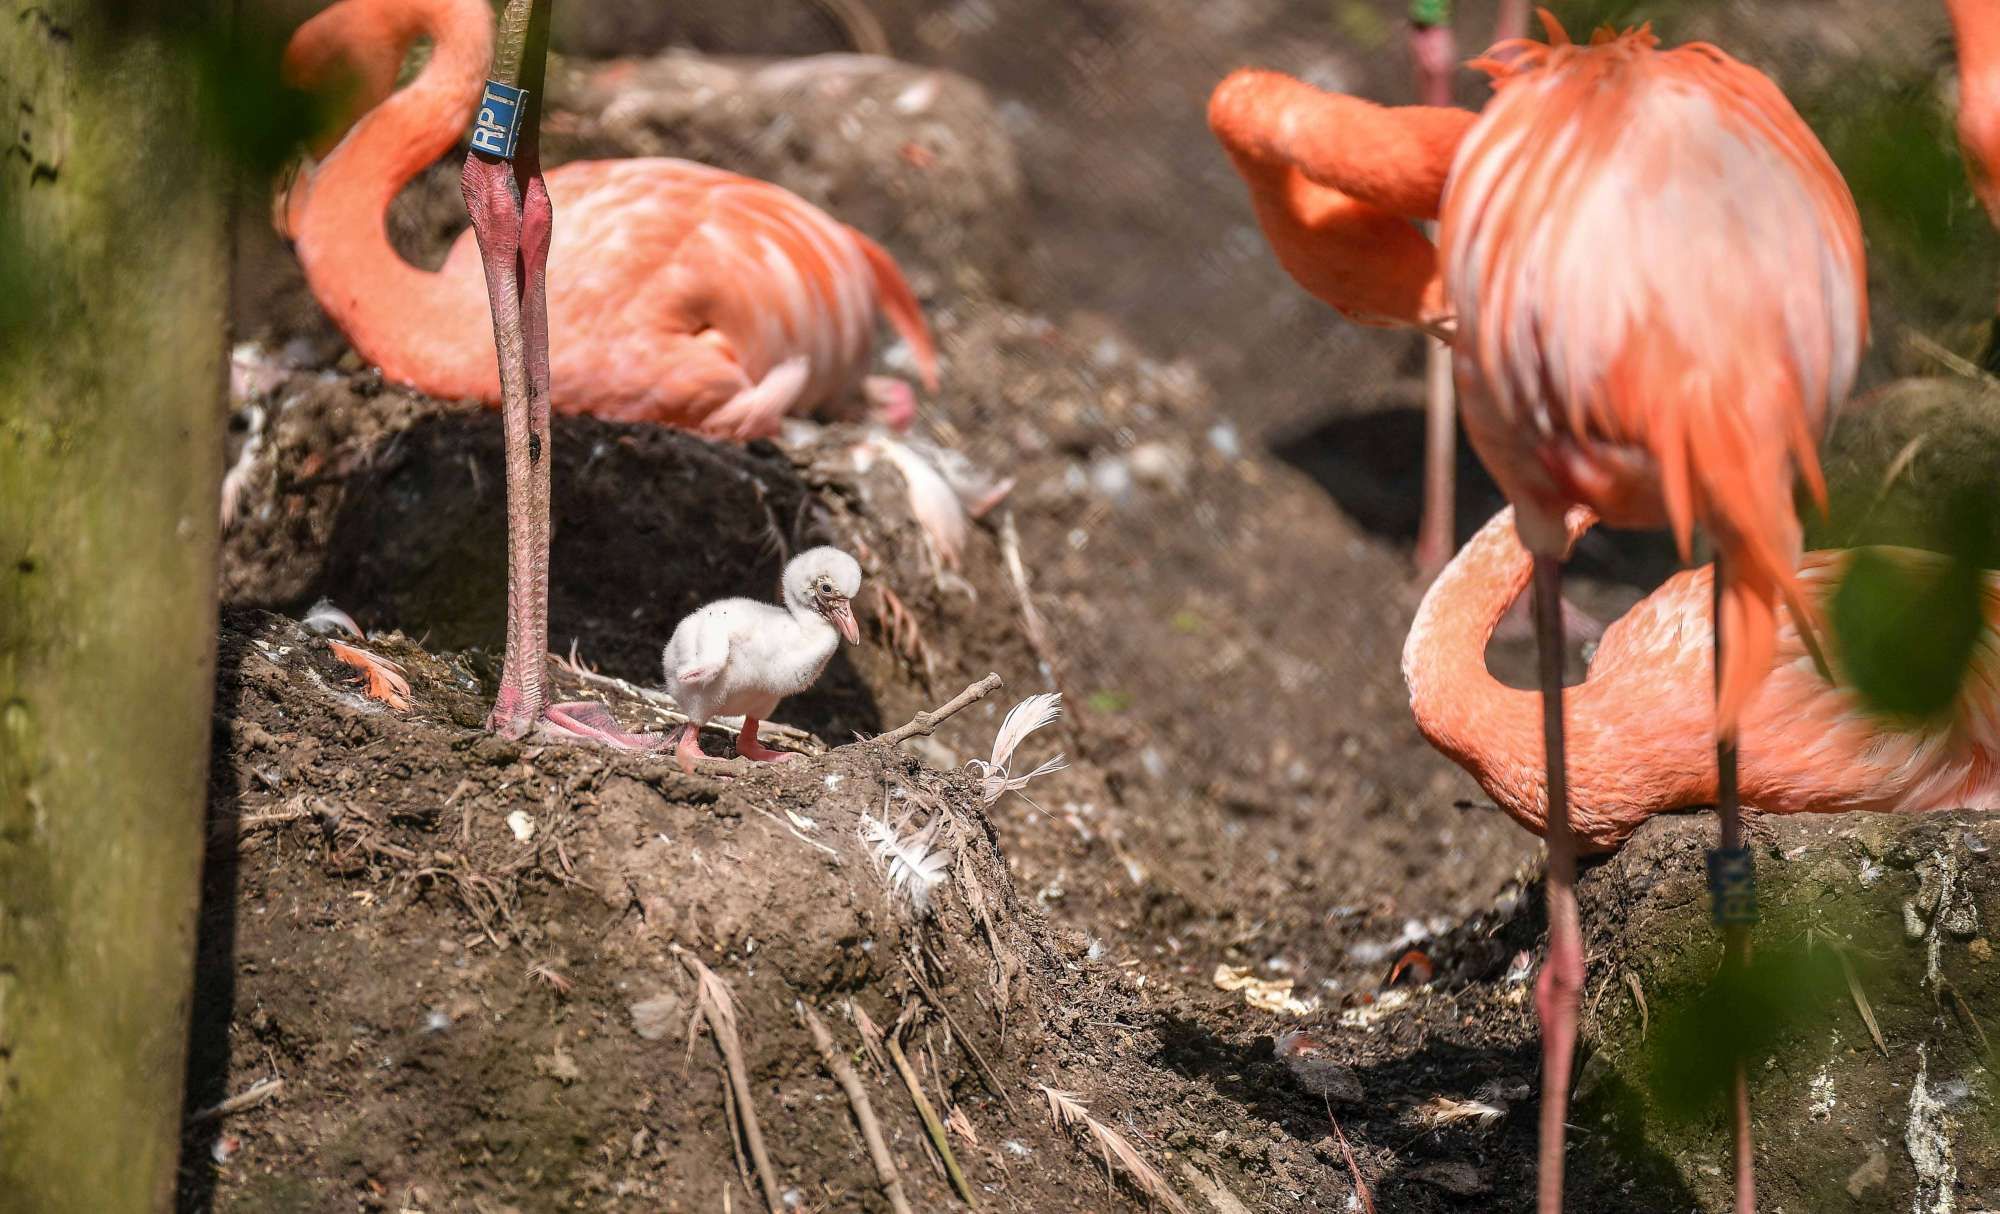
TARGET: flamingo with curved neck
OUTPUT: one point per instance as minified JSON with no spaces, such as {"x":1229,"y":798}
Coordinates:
{"x":677,"y":292}
{"x":1641,"y":735}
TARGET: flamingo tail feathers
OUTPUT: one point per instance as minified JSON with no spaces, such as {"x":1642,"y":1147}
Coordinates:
{"x":900,"y":306}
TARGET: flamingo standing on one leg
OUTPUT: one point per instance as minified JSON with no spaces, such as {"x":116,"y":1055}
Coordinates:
{"x":1688,"y":384}
{"x":1656,"y":276}
{"x":1643,"y":738}
{"x":683,"y":294}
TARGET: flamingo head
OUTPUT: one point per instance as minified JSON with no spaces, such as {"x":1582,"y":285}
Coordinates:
{"x":823,"y":582}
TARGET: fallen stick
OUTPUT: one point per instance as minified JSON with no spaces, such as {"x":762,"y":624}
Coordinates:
{"x":925,"y":723}
{"x":719,"y":1009}
{"x":248,"y":1098}
{"x":864,"y":1113}
{"x":931,"y":1123}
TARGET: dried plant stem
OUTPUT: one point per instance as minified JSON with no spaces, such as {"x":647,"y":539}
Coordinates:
{"x":986,"y":1075}
{"x":1353,"y":1168}
{"x":864,"y":1112}
{"x":248,"y":1098}
{"x":925,"y":723}
{"x":932,"y":1124}
{"x":719,"y":1010}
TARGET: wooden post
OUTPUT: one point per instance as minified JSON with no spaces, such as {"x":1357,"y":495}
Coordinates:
{"x":112,"y":379}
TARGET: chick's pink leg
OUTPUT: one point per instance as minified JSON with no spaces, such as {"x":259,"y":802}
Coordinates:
{"x":688,"y":752}
{"x":748,"y":746}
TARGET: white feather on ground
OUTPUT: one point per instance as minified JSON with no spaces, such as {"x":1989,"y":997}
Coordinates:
{"x":995,"y":777}
{"x":915,"y":865}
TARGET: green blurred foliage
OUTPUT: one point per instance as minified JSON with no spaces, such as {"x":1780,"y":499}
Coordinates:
{"x":249,"y":113}
{"x":1744,"y":1014}
{"x":1906,"y":630}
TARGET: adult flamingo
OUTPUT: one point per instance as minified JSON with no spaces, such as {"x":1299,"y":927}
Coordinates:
{"x":1655,"y":276}
{"x":1642,"y":733}
{"x":683,"y":293}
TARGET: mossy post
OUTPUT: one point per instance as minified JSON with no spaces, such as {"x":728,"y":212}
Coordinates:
{"x":113,"y":267}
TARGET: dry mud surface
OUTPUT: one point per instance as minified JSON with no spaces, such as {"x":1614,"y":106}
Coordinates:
{"x":1213,"y":506}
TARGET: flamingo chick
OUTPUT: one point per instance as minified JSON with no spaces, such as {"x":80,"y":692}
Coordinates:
{"x":681,"y":293}
{"x":740,"y":656}
{"x":1642,"y":734}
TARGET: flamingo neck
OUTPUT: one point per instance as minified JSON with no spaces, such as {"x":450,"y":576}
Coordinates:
{"x":398,"y":316}
{"x":1490,"y":729}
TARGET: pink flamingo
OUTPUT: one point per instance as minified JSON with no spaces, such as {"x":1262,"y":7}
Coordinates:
{"x":1652,"y":274}
{"x":683,"y":294}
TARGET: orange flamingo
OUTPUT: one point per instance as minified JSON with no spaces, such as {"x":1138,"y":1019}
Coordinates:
{"x":1640,"y":733}
{"x":1652,"y":273}
{"x":683,"y":294}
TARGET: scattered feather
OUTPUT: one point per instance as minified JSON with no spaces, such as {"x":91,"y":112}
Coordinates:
{"x":916,"y":865}
{"x":385,"y":681}
{"x":1068,"y":1112}
{"x":325,"y":618}
{"x":1443,"y":1110}
{"x":995,"y":778}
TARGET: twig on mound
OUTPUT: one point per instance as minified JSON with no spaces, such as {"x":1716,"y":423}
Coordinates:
{"x":864,"y":1113}
{"x":248,"y":1098}
{"x":1031,"y":619}
{"x":925,"y":723}
{"x":714,"y":1004}
{"x":932,"y":1125}
{"x":986,"y":1075}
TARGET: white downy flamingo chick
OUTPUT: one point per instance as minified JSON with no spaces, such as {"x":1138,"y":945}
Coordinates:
{"x":740,"y":656}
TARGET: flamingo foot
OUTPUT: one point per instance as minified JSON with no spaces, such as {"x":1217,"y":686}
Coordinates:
{"x":687,"y":752}
{"x":582,"y":721}
{"x":748,"y":746}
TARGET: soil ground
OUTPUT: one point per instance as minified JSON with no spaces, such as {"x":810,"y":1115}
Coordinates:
{"x":1216,"y":489}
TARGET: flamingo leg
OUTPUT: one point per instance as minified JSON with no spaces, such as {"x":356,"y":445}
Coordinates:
{"x":748,"y":746}
{"x":508,"y":201}
{"x":1435,"y":538}
{"x":1732,"y":887}
{"x":1559,"y":987}
{"x":1434,"y":53}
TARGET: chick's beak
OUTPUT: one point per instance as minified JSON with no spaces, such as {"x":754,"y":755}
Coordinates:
{"x":841,"y":611}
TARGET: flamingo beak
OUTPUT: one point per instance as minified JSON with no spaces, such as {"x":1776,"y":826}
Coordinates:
{"x":841,"y":611}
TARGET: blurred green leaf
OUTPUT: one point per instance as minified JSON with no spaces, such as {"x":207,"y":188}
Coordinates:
{"x":1906,"y":630}
{"x":1742,"y":1014}
{"x":1361,"y":24}
{"x":1109,"y":701}
{"x":248,"y":111}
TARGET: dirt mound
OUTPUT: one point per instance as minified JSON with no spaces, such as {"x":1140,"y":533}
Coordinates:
{"x":465,"y":956}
